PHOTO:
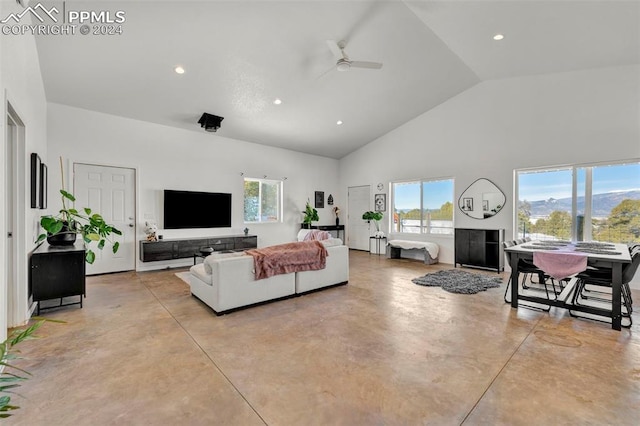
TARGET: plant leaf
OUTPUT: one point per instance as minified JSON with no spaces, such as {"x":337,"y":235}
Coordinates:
{"x":87,"y":211}
{"x":101,"y":244}
{"x":90,"y":257}
{"x":116,"y":245}
{"x":41,"y":237}
{"x":67,"y":195}
{"x":93,"y":236}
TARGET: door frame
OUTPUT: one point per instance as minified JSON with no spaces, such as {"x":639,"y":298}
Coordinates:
{"x":18,"y":306}
{"x":70,"y":180}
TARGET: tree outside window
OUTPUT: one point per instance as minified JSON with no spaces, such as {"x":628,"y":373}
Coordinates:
{"x":262,"y":200}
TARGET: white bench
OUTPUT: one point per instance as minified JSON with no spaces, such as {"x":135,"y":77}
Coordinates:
{"x":430,"y":250}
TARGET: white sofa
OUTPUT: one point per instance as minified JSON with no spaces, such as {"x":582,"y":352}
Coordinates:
{"x":226,"y":281}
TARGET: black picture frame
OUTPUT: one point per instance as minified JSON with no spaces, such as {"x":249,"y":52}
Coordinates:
{"x":319,"y":198}
{"x":35,"y":180}
{"x":44,"y":176}
{"x":467,"y":204}
{"x":380,"y":202}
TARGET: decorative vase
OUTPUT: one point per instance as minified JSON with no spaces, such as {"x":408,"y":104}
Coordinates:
{"x":63,"y":238}
{"x":337,"y":221}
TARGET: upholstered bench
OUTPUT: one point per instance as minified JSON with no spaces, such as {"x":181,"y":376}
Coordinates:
{"x":430,"y":250}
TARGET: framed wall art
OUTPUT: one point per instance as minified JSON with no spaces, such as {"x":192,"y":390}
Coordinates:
{"x":467,"y":204}
{"x":380,"y":202}
{"x":35,"y":180}
{"x":319,"y":196}
{"x":43,"y":186}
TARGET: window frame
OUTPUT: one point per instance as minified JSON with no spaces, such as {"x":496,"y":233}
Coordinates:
{"x":422,"y":225}
{"x":280,"y":205}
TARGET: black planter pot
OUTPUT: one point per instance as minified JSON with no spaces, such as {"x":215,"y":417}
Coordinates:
{"x":63,"y":238}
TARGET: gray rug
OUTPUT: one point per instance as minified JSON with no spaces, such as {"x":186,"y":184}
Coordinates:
{"x":455,"y":281}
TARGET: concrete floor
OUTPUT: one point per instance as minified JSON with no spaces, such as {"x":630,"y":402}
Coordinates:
{"x":379,"y":351}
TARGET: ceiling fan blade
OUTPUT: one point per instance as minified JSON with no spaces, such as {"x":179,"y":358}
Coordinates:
{"x":365,"y":64}
{"x":325,"y":73}
{"x":335,"y":49}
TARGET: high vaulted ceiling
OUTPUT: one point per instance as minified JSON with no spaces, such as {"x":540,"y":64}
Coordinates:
{"x":240,"y":56}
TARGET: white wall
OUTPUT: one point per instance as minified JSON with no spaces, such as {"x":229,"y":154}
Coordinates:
{"x":20,"y":85}
{"x":170,"y":158}
{"x":501,"y":125}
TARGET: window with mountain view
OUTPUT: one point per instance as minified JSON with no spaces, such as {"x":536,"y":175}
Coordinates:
{"x":423,"y":206}
{"x":262,"y":200}
{"x":583,"y":203}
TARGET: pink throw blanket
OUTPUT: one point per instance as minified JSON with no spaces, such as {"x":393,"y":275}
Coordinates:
{"x":316,"y":235}
{"x":560,"y":264}
{"x":287,"y":258}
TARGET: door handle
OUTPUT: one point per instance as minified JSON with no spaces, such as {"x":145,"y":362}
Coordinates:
{"x":131,"y":225}
{"x":9,"y":234}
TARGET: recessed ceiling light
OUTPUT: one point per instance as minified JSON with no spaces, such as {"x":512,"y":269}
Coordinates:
{"x":339,"y":122}
{"x":179,"y":70}
{"x":498,"y":37}
{"x":277,"y":101}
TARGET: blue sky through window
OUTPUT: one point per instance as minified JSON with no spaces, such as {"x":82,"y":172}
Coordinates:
{"x":436,"y":193}
{"x":557,"y":184}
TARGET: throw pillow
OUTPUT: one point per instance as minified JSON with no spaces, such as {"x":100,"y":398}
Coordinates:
{"x":317,"y":235}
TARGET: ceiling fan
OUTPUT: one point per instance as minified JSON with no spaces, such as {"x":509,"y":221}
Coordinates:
{"x":343,"y":62}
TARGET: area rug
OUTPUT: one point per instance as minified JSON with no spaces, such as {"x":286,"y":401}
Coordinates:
{"x":455,"y":281}
{"x":184,"y":276}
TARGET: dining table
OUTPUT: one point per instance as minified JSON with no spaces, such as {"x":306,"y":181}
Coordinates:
{"x":598,"y":255}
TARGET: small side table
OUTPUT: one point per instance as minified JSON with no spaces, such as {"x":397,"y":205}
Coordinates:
{"x":204,"y":252}
{"x":378,"y":240}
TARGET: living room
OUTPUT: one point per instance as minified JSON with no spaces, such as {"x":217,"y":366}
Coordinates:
{"x":579,"y":113}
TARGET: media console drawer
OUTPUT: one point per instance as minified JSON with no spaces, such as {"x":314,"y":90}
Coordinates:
{"x":153,"y":251}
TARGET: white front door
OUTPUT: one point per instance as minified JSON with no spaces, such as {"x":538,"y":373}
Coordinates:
{"x":110,"y":192}
{"x":358,"y":202}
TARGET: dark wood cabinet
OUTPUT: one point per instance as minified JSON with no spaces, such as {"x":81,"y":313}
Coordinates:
{"x":56,"y":272}
{"x":153,"y":251}
{"x":480,"y":248}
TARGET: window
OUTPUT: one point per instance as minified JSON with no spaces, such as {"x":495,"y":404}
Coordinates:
{"x":423,"y":206}
{"x":593,"y":202}
{"x":262,"y":200}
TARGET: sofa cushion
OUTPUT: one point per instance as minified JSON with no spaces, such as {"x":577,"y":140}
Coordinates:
{"x":199,"y":271}
{"x":302,"y":233}
{"x":218,"y":255}
{"x":332,"y":242}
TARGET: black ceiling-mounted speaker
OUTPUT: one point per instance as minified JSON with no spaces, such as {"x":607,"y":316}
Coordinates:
{"x":210,"y":122}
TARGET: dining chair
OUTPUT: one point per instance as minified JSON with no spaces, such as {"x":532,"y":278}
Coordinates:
{"x":601,"y":278}
{"x":527,"y":269}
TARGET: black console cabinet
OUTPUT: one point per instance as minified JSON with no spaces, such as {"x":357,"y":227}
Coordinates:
{"x":56,"y":272}
{"x":153,"y":251}
{"x":479,"y":247}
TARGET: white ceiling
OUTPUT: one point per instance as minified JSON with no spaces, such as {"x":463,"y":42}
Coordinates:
{"x":241,"y":55}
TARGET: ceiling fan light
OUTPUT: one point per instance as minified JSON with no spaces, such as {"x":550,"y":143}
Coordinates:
{"x":343,"y":65}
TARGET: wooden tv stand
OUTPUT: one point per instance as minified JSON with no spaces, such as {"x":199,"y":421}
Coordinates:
{"x":153,"y":251}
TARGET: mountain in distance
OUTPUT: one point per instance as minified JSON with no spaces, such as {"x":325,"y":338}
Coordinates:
{"x":602,"y":204}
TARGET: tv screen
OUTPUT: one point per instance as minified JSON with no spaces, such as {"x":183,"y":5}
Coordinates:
{"x":190,"y":209}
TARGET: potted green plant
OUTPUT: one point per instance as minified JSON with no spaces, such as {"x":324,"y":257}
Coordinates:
{"x":310,"y":215}
{"x":375,"y":217}
{"x":10,"y":375}
{"x":63,"y":228}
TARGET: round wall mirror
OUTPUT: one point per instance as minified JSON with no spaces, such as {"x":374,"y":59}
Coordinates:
{"x":482,"y":199}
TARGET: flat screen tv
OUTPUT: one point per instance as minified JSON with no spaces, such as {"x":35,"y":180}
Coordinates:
{"x":190,"y":209}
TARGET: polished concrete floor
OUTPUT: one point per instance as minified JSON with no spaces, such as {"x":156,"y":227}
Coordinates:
{"x":379,"y":351}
